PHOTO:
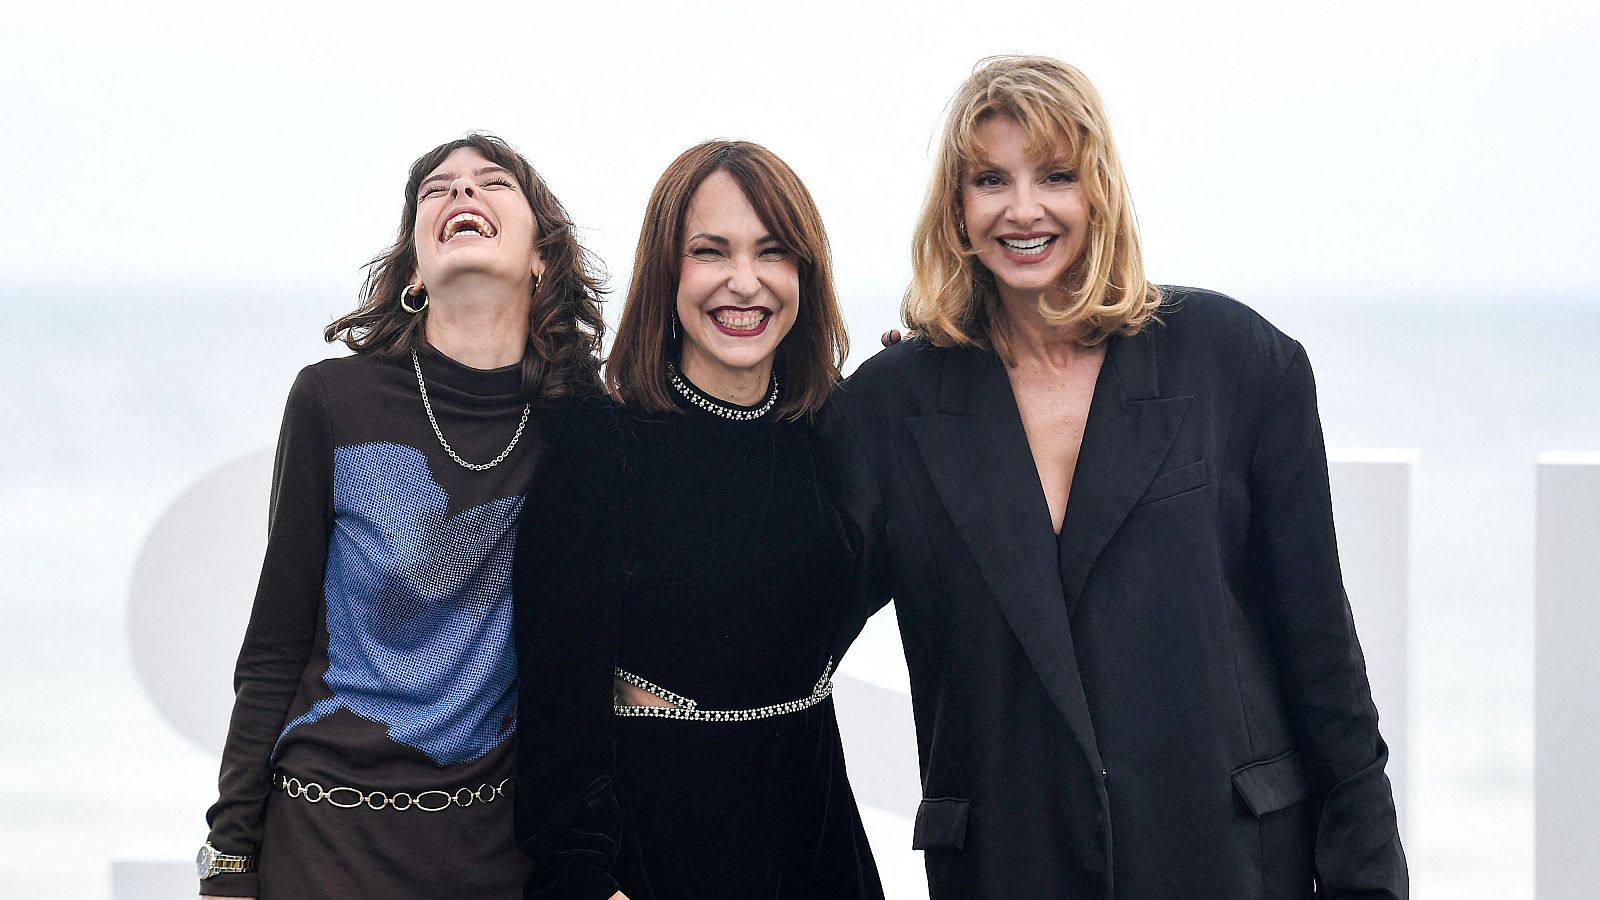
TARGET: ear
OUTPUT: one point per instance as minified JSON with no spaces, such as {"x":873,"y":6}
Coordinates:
{"x":538,"y":266}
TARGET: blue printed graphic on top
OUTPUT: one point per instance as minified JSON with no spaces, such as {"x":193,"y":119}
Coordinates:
{"x":419,"y":606}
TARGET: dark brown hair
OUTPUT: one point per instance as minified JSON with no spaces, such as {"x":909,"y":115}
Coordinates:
{"x":809,"y":359}
{"x":564,"y":322}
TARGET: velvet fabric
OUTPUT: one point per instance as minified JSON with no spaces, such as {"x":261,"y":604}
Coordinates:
{"x":700,"y":554}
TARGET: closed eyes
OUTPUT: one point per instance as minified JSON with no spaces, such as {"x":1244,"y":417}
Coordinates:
{"x":440,"y":187}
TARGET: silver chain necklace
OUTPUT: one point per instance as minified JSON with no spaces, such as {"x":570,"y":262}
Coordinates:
{"x":693,"y":395}
{"x":476,"y":467}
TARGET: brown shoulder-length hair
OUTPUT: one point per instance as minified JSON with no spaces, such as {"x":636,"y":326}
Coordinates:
{"x":952,"y":298}
{"x":565,"y":326}
{"x":811,"y":354}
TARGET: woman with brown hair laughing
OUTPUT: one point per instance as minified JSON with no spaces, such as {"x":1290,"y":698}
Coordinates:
{"x":370,"y":751}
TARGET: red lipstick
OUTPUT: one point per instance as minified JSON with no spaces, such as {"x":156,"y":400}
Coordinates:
{"x":766,"y":317}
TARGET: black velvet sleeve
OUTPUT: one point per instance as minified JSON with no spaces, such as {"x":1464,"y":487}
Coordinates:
{"x":567,"y":588}
{"x":283,"y":622}
{"x":1296,"y":558}
{"x":853,"y":490}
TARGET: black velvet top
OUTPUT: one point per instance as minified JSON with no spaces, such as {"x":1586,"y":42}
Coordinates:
{"x":699,"y":556}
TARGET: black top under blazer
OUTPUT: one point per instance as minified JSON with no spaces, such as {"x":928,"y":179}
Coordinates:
{"x":1168,"y":700}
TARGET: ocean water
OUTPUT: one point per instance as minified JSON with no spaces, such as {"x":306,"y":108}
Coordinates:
{"x":117,"y":400}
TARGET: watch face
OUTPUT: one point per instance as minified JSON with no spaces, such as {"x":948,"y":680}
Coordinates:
{"x":202,"y":860}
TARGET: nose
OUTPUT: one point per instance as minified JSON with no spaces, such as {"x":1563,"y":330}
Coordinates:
{"x":1025,"y":207}
{"x":461,"y":187}
{"x":742,"y":279}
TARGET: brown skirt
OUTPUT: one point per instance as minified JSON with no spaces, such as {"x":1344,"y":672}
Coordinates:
{"x":311,"y":851}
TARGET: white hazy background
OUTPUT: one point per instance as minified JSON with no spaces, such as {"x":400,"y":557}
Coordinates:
{"x":187,"y":191}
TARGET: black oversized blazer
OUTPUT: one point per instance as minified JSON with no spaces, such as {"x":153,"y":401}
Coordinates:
{"x":1168,"y":701}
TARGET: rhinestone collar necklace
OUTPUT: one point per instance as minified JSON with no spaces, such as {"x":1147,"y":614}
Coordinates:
{"x":716,"y":407}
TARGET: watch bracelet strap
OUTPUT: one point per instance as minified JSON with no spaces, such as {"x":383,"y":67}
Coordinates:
{"x":225,"y":864}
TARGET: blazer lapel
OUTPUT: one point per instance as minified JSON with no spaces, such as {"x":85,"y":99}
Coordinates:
{"x":1128,"y":433}
{"x":978,"y":457}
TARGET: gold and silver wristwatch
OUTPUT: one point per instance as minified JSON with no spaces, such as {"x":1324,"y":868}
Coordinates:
{"x":209,"y":862}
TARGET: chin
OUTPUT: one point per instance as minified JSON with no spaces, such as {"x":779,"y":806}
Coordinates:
{"x":1029,"y":286}
{"x":743,"y":360}
{"x":475,"y":265}
{"x":741,"y":357}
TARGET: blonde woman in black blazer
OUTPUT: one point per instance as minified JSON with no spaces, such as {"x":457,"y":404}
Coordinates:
{"x":1101,"y":507}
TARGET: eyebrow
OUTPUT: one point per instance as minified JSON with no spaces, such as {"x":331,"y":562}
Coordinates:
{"x":980,"y":166}
{"x":722,"y":241}
{"x":450,"y":176}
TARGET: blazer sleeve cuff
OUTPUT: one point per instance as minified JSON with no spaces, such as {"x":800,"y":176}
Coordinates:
{"x":244,"y":884}
{"x":1358,"y":852}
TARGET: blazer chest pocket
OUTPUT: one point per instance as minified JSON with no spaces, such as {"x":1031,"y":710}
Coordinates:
{"x":1271,"y":784}
{"x":1178,"y":481}
{"x":941,"y":824}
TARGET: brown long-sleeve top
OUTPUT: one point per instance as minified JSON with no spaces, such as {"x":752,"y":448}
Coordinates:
{"x":378,"y":654}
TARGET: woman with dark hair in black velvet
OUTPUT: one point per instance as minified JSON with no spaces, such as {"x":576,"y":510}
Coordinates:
{"x":682,"y":583}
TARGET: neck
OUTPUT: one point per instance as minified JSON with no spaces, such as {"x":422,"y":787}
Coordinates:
{"x":742,"y":387}
{"x":1036,"y":340}
{"x":481,"y":329}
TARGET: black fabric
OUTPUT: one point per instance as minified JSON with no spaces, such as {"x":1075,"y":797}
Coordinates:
{"x":700,"y":554}
{"x":1272,"y":784}
{"x":1168,"y":700}
{"x":355,"y":428}
{"x":941,"y":824}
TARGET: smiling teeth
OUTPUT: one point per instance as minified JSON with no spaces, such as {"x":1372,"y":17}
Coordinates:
{"x":1030,"y":246}
{"x":465,"y":222}
{"x":741,"y":320}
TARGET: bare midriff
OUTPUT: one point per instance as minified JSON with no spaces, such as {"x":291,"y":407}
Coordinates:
{"x":632,"y":695}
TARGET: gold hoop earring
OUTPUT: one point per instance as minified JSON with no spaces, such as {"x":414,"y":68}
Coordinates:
{"x":406,"y":292}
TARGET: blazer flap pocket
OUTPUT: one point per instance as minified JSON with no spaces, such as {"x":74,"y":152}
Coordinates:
{"x":1175,"y":482}
{"x":941,"y":824}
{"x":1272,"y":784}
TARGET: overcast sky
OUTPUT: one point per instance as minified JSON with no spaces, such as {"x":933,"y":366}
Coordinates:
{"x":1284,"y":149}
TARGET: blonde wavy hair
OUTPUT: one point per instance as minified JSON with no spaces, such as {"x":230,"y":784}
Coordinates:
{"x":952,"y":299}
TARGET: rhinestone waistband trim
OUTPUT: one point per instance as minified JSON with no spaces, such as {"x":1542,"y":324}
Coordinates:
{"x":426,"y":801}
{"x":684,"y":708}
